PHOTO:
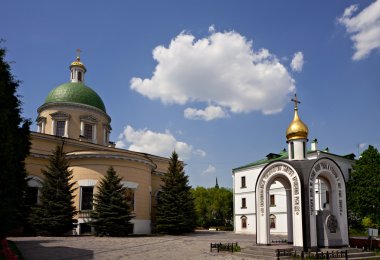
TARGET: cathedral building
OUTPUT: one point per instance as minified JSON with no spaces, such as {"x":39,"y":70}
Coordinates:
{"x":73,"y":115}
{"x":299,"y":193}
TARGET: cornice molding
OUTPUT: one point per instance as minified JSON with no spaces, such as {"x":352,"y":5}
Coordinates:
{"x":61,"y":105}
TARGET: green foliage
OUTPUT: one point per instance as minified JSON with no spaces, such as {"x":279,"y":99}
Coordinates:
{"x":175,"y":206}
{"x":236,"y":248}
{"x":213,"y":206}
{"x":112,"y":213}
{"x":364,"y":188}
{"x":15,"y":145}
{"x":367,"y":222}
{"x":55,"y":213}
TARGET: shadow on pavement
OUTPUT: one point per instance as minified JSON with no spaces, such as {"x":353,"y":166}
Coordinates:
{"x":206,"y":233}
{"x":34,"y":250}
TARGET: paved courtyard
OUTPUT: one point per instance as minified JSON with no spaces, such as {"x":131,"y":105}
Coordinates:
{"x":193,"y":246}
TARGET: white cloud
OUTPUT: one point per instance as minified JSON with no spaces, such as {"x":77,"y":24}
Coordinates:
{"x":200,"y":153}
{"x":210,"y":113}
{"x":210,"y":169}
{"x":221,"y":69}
{"x":297,"y":62}
{"x":211,"y":29}
{"x":364,"y":28}
{"x":162,"y":144}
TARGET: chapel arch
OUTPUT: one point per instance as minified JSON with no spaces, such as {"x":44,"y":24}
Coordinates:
{"x":279,"y":198}
{"x":288,"y":177}
{"x":328,"y":209}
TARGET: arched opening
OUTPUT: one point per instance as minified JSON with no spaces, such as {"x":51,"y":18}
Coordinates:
{"x":322,"y":194}
{"x":328,"y":222}
{"x":280,"y":204}
{"x":284,"y":177}
{"x":326,"y":210}
{"x":243,"y":222}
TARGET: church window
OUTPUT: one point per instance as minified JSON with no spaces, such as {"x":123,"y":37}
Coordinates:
{"x":243,"y":222}
{"x":291,"y":150}
{"x":130,"y":197}
{"x":243,"y":203}
{"x":272,"y":221}
{"x":86,"y":198}
{"x":272,"y":200}
{"x":60,"y":128}
{"x":88,"y":131}
{"x":79,"y":76}
{"x":243,"y":182}
{"x":327,"y":196}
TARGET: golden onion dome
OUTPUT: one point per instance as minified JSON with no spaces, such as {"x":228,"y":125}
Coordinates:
{"x":296,"y":129}
{"x":78,"y":63}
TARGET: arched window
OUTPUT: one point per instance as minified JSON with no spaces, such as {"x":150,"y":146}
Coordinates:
{"x":243,"y":221}
{"x":272,"y":221}
{"x":33,"y":190}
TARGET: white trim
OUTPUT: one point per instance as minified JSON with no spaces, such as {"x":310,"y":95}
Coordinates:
{"x":87,"y":182}
{"x":129,"y":184}
{"x":35,"y":181}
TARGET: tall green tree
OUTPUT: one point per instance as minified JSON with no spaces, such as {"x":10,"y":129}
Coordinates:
{"x":213,"y":206}
{"x":55,"y":213}
{"x":112,"y":213}
{"x":364,"y":188}
{"x":14,"y":147}
{"x":175,"y":205}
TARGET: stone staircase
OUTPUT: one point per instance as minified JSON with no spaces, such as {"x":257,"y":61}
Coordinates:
{"x":270,"y":253}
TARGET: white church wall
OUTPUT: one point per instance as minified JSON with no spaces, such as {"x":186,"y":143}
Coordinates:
{"x":250,"y":179}
{"x":281,"y":223}
{"x":250,"y":224}
{"x":246,"y":192}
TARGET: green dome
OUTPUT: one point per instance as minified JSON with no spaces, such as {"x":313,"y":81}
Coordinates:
{"x":75,"y":93}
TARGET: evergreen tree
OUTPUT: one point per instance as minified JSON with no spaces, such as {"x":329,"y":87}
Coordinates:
{"x":112,"y":212}
{"x":175,"y":207}
{"x":364,"y":188}
{"x":55,"y":214}
{"x":14,"y":147}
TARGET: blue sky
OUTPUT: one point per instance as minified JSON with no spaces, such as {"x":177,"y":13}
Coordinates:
{"x":211,"y":79}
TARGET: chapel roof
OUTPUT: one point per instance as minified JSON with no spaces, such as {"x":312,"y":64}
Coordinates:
{"x":283,"y":155}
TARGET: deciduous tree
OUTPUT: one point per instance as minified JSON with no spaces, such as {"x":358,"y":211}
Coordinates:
{"x":364,"y":187}
{"x":213,"y":206}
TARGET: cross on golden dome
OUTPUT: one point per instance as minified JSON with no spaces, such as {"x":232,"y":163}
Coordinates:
{"x":77,"y":62}
{"x":78,"y":53}
{"x":296,"y":102}
{"x":296,"y":129}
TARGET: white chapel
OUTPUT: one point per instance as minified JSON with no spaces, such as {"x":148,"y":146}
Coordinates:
{"x":299,"y":193}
